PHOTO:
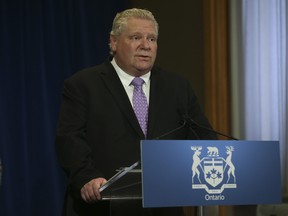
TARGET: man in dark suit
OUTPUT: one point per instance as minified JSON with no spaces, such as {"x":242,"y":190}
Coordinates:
{"x":98,"y":129}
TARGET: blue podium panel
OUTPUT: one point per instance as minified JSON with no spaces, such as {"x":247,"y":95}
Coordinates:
{"x":214,"y":172}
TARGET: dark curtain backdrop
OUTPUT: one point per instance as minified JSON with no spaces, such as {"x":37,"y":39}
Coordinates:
{"x":42,"y":42}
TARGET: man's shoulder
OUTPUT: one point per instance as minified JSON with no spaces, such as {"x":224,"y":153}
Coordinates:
{"x":93,"y":70}
{"x":89,"y":73}
{"x":168,"y":74}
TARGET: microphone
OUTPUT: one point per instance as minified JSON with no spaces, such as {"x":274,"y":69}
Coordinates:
{"x":123,"y":171}
{"x":193,"y":123}
{"x":193,"y":131}
{"x":183,"y":124}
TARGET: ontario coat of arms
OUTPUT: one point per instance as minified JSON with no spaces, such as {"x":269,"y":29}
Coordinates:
{"x":213,"y":172}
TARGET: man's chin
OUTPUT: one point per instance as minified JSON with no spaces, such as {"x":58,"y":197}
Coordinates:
{"x":144,"y":67}
{"x":144,"y":70}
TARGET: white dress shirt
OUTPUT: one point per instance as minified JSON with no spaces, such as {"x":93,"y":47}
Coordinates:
{"x":126,"y":80}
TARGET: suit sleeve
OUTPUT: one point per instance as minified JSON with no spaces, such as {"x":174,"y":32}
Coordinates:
{"x":73,"y":152}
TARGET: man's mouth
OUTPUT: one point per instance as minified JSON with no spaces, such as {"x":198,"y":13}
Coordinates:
{"x":143,"y":56}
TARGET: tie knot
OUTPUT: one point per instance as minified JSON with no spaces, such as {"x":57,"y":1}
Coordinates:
{"x":137,"y":81}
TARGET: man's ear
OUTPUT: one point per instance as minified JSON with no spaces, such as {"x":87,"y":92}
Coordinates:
{"x":113,"y":43}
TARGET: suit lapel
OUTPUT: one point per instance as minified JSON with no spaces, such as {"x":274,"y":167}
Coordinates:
{"x":119,"y":94}
{"x":155,"y":103}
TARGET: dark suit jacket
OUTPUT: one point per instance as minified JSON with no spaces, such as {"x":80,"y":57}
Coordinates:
{"x":98,"y":131}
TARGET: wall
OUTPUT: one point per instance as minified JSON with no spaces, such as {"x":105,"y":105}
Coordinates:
{"x":181,"y":40}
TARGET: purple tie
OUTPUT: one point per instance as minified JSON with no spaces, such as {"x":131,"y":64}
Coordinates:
{"x":140,"y":104}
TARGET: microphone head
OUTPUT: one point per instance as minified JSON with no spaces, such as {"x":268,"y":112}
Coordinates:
{"x":189,"y":122}
{"x":183,"y":121}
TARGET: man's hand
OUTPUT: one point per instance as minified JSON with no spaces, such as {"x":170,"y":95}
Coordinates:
{"x":90,"y":191}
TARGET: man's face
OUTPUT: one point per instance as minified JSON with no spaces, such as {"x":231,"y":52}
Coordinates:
{"x":136,"y":47}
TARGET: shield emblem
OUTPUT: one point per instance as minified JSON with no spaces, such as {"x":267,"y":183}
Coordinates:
{"x":213,"y":171}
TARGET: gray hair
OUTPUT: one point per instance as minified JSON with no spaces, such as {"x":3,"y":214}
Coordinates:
{"x":120,"y":20}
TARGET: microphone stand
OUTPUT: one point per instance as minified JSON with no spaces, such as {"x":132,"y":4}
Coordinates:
{"x":200,"y":210}
{"x":183,"y":124}
{"x":189,"y":122}
{"x":192,"y":122}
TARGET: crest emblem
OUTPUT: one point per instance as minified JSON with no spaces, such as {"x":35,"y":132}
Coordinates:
{"x":213,"y":172}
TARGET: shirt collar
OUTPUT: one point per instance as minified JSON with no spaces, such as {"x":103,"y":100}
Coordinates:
{"x":125,"y":77}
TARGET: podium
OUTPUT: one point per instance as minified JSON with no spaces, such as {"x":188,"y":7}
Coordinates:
{"x":179,"y":173}
{"x":210,"y":172}
{"x":124,"y":191}
{"x":126,"y":184}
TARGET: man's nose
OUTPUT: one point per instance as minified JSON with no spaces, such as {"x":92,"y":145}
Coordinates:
{"x":145,"y":43}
